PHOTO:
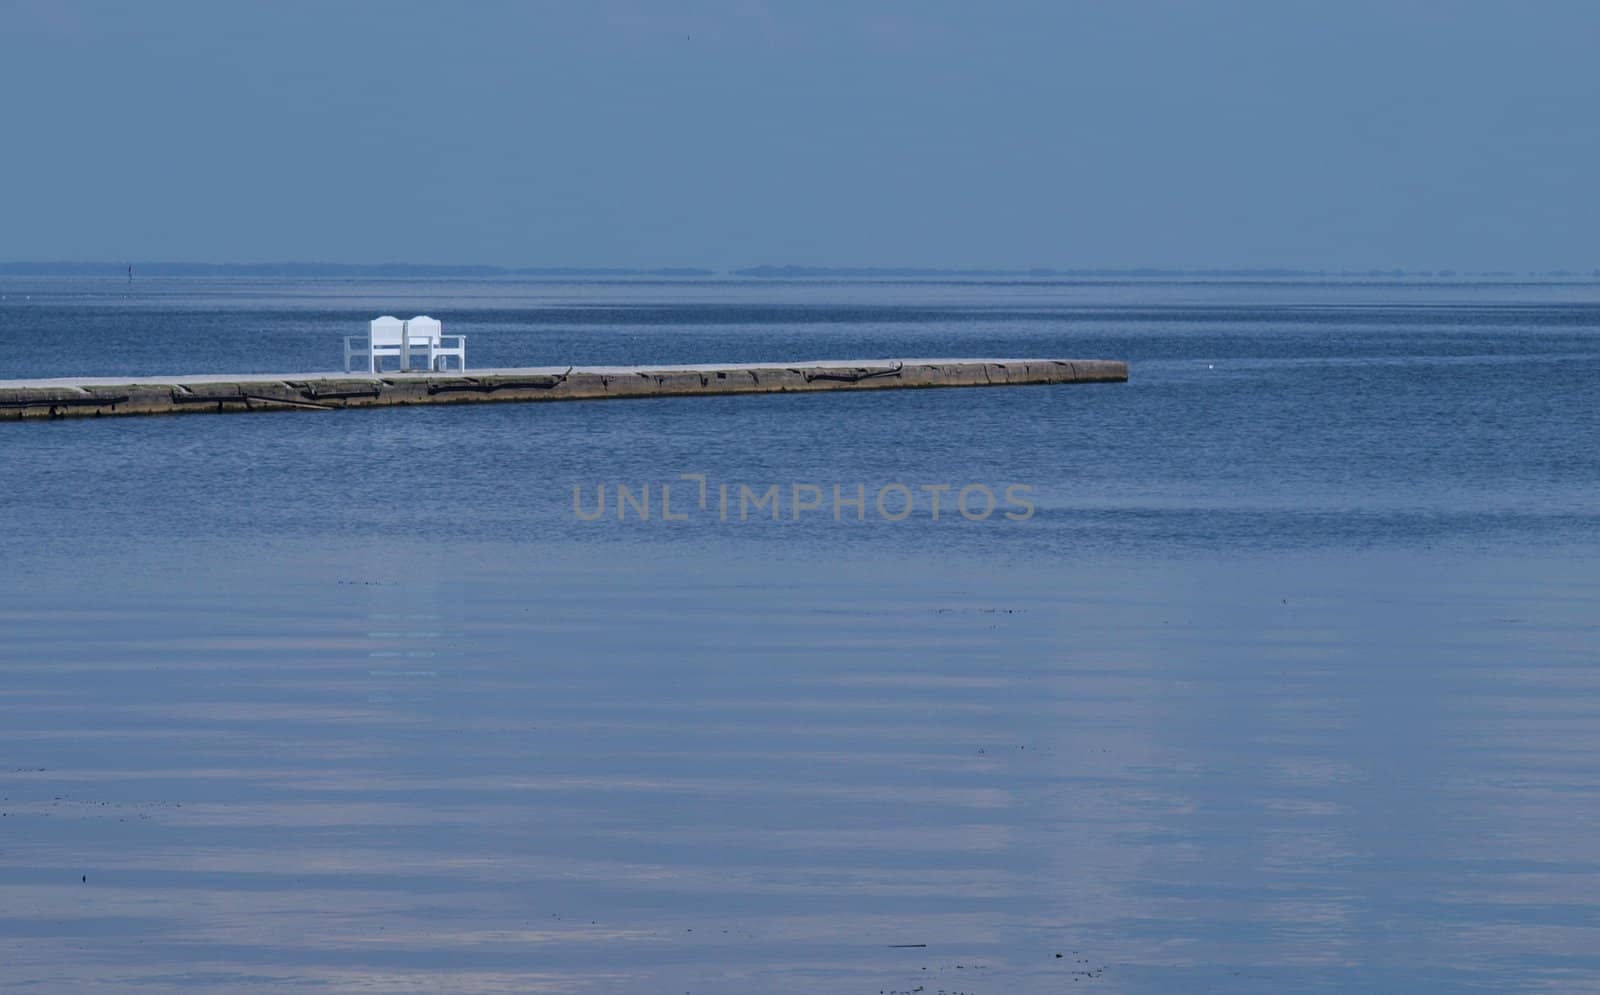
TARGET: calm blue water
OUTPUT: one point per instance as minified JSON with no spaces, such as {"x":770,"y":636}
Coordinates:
{"x":1288,"y":681}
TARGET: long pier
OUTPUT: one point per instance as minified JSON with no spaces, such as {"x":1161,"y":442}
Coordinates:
{"x":95,"y":397}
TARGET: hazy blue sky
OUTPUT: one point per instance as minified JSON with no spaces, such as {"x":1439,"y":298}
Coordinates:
{"x":1059,"y":133}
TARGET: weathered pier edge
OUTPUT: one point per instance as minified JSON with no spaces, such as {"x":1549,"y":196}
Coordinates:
{"x":97,"y":397}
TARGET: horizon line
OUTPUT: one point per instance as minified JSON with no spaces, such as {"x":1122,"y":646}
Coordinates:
{"x":160,"y":268}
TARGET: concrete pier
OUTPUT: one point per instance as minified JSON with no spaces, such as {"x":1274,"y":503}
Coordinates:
{"x":80,"y":397}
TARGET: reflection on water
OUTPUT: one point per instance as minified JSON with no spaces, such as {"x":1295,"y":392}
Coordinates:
{"x":1252,"y":775}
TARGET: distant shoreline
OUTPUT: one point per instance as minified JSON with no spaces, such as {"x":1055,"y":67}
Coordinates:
{"x":313,"y":270}
{"x":403,"y":270}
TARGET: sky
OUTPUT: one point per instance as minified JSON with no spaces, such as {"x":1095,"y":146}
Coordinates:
{"x":1062,"y":133}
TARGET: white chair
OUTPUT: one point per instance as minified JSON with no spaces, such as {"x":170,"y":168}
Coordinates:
{"x":386,"y":336}
{"x":427,"y":334}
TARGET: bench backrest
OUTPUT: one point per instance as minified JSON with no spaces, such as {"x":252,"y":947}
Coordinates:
{"x":423,"y":328}
{"x":387,"y":330}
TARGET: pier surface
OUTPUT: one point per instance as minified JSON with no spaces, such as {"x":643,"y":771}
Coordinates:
{"x":77,"y":397}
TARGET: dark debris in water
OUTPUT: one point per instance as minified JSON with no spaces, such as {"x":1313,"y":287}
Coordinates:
{"x":980,"y":611}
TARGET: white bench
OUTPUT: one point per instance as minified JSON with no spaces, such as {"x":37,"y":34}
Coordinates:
{"x":404,"y":340}
{"x":386,"y":336}
{"x":423,"y":332}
